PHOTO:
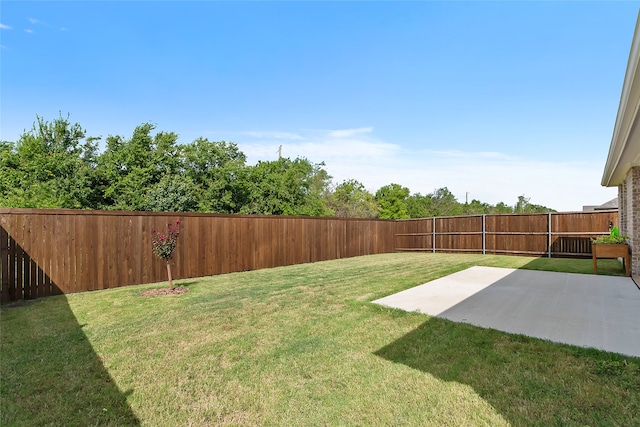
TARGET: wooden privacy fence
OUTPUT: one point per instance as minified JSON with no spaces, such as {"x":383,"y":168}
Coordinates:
{"x":46,"y":252}
{"x":565,"y":234}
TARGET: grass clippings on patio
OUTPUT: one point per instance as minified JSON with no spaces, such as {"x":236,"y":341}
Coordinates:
{"x":299,"y":345}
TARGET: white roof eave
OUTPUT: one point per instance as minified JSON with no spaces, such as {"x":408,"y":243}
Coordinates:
{"x":623,"y":152}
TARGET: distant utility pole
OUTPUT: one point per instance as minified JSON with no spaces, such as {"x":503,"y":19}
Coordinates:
{"x":279,"y":152}
{"x":466,"y":198}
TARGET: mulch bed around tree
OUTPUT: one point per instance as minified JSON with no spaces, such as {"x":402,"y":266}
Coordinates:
{"x":164,"y":291}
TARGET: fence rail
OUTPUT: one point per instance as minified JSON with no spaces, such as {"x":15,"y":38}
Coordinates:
{"x":54,"y":251}
{"x":566,"y":234}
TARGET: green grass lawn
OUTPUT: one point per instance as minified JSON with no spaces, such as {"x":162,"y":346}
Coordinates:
{"x":299,"y":345}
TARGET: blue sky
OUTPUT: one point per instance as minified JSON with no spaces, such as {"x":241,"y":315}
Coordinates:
{"x":493,"y":99}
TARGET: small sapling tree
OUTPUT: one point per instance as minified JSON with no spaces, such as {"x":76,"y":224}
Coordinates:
{"x":164,"y":245}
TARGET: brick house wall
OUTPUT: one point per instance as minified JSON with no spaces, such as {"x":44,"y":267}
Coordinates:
{"x":629,"y":214}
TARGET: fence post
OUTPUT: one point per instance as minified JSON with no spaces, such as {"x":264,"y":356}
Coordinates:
{"x":549,"y":234}
{"x":433,"y":236}
{"x":484,"y":233}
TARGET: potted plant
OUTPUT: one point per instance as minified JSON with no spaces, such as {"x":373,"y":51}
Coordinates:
{"x":612,"y":246}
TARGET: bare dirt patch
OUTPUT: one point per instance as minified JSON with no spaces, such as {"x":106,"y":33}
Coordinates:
{"x":164,"y":291}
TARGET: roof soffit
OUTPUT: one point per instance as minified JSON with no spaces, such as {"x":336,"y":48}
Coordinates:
{"x":624,"y":150}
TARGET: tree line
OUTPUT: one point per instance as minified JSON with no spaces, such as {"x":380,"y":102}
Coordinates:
{"x":56,"y":165}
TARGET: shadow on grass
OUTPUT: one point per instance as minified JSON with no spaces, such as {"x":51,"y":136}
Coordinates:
{"x":606,"y":267}
{"x":185,"y":283}
{"x":50,"y":373}
{"x":529,"y":381}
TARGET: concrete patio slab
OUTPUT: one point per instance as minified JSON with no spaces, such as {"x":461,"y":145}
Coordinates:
{"x":586,"y":310}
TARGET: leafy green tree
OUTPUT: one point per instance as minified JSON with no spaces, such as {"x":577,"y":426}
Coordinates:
{"x":54,"y":165}
{"x":350,"y":199}
{"x":173,"y":193}
{"x":130,"y":167}
{"x":523,"y":206}
{"x":501,"y":208}
{"x":533,"y":208}
{"x":319,"y":185}
{"x":285,"y":187}
{"x":445,"y":203}
{"x":9,"y":174}
{"x":476,"y":207}
{"x":392,"y":201}
{"x":50,"y":166}
{"x":419,"y":206}
{"x":218,"y":169}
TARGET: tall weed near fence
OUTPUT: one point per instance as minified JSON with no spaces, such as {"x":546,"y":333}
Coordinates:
{"x":48,"y":252}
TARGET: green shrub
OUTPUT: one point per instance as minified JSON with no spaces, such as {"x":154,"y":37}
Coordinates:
{"x":614,"y":238}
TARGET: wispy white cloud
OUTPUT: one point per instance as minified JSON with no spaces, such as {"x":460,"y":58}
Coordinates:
{"x":346,"y":133}
{"x":273,"y":135}
{"x":4,"y":27}
{"x":324,"y":144}
{"x":28,"y":31}
{"x":42,"y":24}
{"x":490,"y":177}
{"x":466,"y":154}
